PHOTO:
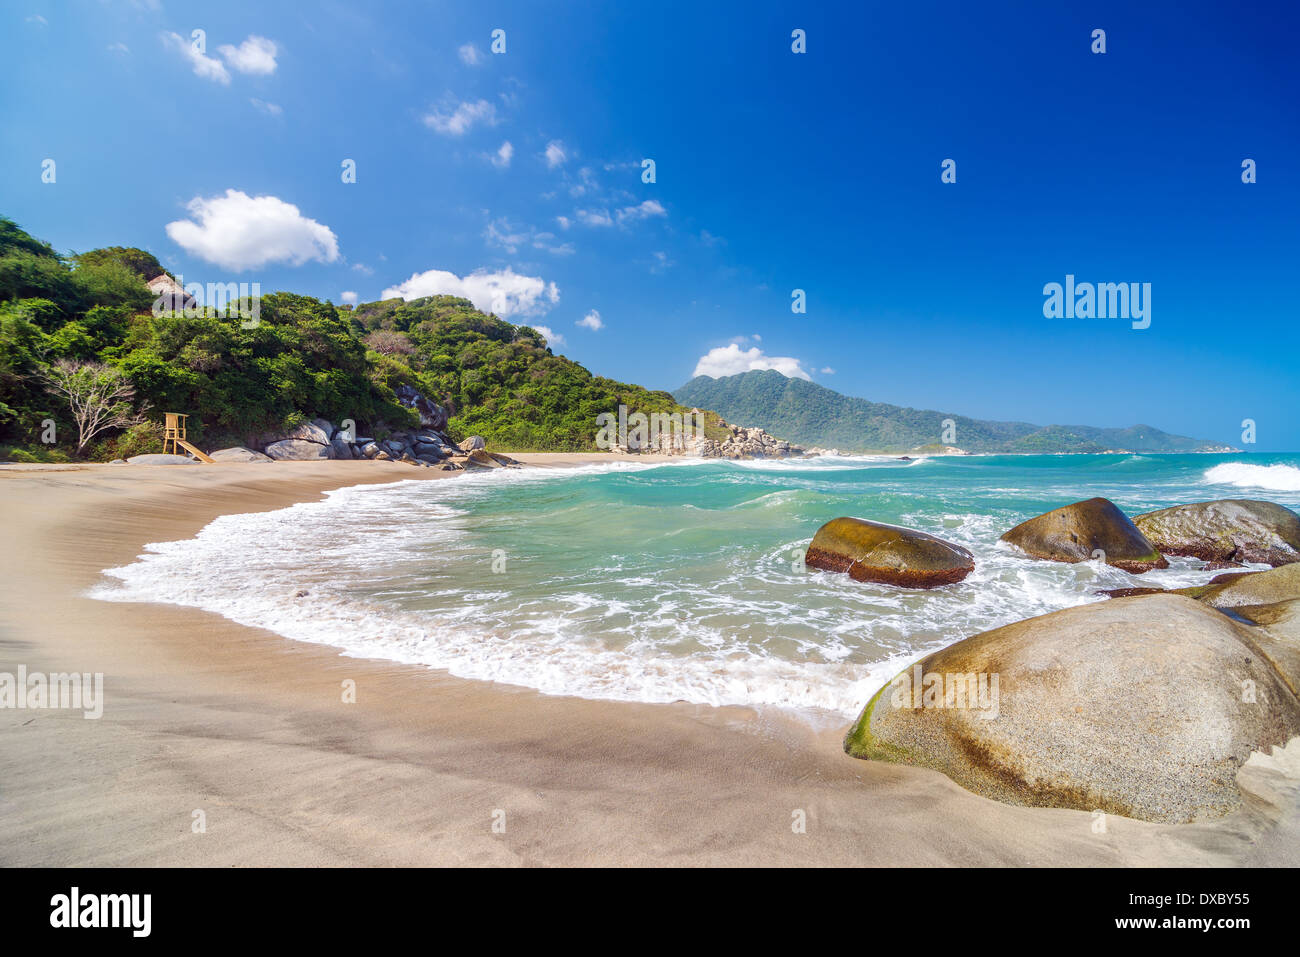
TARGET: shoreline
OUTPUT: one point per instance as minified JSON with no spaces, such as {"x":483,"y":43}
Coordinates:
{"x":202,"y":714}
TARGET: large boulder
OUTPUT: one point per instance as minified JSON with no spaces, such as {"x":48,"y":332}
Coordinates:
{"x":1143,"y":707}
{"x":1074,"y":533}
{"x":239,"y":454}
{"x":160,"y":459}
{"x":430,"y":450}
{"x":340,"y":448}
{"x":1278,"y":636}
{"x":876,"y":552}
{"x":308,"y":432}
{"x":297,"y":450}
{"x":1226,"y":530}
{"x":326,"y":427}
{"x":432,"y":415}
{"x":1244,"y":589}
{"x":480,"y":459}
{"x":472,"y":443}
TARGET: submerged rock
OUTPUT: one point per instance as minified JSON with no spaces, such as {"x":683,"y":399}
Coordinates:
{"x":1075,"y":533}
{"x":1128,"y":592}
{"x":1226,"y":530}
{"x":1144,"y":707}
{"x":876,"y":552}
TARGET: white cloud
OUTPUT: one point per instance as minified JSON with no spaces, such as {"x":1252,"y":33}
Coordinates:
{"x":732,"y":360}
{"x":348,"y":296}
{"x":556,"y":154}
{"x":118,"y":47}
{"x":363,"y":269}
{"x":459,"y":120}
{"x":564,"y":221}
{"x":470,"y":55}
{"x":505,"y":292}
{"x":39,"y":20}
{"x":503,"y":156}
{"x":646,"y":210}
{"x":662,"y":262}
{"x":594,"y":217}
{"x":239,"y":232}
{"x":827,"y":370}
{"x":255,"y":55}
{"x":591,"y":321}
{"x":587,"y":183}
{"x":204,"y":65}
{"x":552,"y":338}
{"x":271,"y":109}
{"x":501,"y":233}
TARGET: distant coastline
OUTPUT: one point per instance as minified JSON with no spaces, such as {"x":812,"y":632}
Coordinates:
{"x":812,"y":415}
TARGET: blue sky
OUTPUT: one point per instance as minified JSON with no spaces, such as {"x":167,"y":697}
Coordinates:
{"x":774,"y":171}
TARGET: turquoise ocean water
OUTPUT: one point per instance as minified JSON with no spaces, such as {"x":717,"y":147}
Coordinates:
{"x":680,"y":581}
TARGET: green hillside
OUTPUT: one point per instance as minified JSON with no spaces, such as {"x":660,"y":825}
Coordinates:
{"x":304,"y":358}
{"x":810,"y":414}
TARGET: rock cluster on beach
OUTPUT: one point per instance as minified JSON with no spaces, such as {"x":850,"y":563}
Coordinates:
{"x":425,"y":446}
{"x":745,"y":443}
{"x":876,"y":552}
{"x":1145,"y":706}
{"x":320,"y":440}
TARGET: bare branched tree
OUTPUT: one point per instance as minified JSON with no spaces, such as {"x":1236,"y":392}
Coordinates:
{"x":99,"y":396}
{"x":390,"y":343}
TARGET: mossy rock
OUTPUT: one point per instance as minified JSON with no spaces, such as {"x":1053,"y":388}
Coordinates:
{"x":1226,"y":530}
{"x":1075,"y":533}
{"x":1135,"y":706}
{"x":887,"y":554}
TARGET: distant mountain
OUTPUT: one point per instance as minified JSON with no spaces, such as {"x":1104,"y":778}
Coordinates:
{"x":810,"y":414}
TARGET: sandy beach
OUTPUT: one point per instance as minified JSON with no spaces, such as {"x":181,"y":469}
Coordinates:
{"x":202,"y":714}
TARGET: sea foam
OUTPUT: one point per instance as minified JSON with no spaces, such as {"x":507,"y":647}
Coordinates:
{"x":1281,"y":478}
{"x":636,"y":581}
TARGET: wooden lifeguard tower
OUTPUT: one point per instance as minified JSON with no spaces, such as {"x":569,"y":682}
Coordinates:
{"x":174,"y":434}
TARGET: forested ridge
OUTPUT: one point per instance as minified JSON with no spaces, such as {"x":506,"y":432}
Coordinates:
{"x":303,"y":358}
